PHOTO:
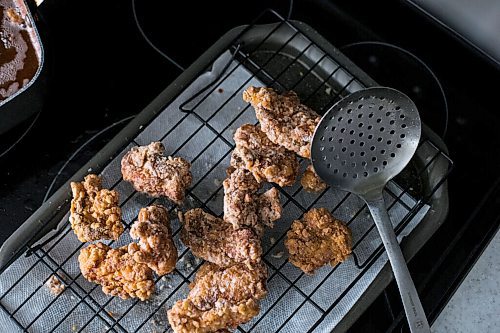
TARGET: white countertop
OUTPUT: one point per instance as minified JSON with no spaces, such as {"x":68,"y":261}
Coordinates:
{"x":475,"y":306}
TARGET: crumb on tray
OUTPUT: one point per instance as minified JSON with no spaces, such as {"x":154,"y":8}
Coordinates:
{"x":55,"y":285}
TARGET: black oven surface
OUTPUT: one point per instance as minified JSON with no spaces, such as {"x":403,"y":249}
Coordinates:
{"x":106,"y":72}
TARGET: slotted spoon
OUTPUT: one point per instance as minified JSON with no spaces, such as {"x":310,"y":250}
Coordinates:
{"x":360,"y":144}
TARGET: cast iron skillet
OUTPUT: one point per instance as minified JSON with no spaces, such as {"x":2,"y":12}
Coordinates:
{"x":27,"y":100}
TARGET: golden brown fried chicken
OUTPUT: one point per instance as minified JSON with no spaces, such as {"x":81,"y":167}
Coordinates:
{"x":151,"y":172}
{"x":267,"y":161}
{"x":318,"y":239}
{"x":284,"y":119}
{"x":185,"y":317}
{"x":116,"y":271}
{"x":220,"y":299}
{"x":243,"y":206}
{"x":95,"y":212}
{"x":311,"y":182}
{"x":216,"y":241}
{"x":156,"y":246}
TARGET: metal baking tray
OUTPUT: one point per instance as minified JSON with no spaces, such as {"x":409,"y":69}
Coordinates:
{"x":285,"y":55}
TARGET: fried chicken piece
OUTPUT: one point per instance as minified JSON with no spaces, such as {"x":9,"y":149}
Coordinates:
{"x":116,"y":271}
{"x":216,"y":241}
{"x":243,"y":206}
{"x":234,"y":284}
{"x":156,"y":246}
{"x":284,"y":119}
{"x":311,"y":182}
{"x":240,"y":199}
{"x":318,"y":239}
{"x":220,"y":299}
{"x":151,"y":172}
{"x":185,"y":317}
{"x":267,"y":161}
{"x":95,"y":212}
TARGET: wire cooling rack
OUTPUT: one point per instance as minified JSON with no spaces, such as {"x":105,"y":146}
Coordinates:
{"x":198,"y":125}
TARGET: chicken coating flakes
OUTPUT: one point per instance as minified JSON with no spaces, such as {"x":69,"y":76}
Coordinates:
{"x":220,"y":299}
{"x":269,"y":207}
{"x":216,"y":241}
{"x":157,"y":175}
{"x":14,"y":16}
{"x":156,"y":246}
{"x":55,"y":285}
{"x":267,"y":161}
{"x":185,"y":317}
{"x":284,"y":119}
{"x":243,"y":206}
{"x":95,"y":212}
{"x":240,"y":199}
{"x":318,"y":239}
{"x":116,"y":271}
{"x":311,"y":182}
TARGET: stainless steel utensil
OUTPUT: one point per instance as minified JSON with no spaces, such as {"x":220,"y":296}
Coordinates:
{"x":360,"y":144}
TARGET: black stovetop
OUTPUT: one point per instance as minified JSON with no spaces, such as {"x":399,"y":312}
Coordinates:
{"x":102,"y":70}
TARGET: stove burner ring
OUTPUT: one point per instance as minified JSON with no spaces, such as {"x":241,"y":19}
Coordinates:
{"x":370,"y":63}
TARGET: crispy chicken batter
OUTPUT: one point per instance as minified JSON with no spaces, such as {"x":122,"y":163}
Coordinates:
{"x":95,"y":212}
{"x":14,"y":16}
{"x":220,"y":299}
{"x":284,"y":119}
{"x":269,"y":207}
{"x":55,"y":285}
{"x":266,"y":160}
{"x":156,"y":246}
{"x":311,"y":182}
{"x":318,"y":239}
{"x":243,"y":206}
{"x":116,"y":271}
{"x":151,"y":172}
{"x":216,"y":241}
{"x":240,"y":199}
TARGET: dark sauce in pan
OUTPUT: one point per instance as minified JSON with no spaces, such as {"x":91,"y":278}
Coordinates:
{"x":19,"y":60}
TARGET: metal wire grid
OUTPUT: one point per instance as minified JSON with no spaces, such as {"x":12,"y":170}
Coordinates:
{"x":89,"y":296}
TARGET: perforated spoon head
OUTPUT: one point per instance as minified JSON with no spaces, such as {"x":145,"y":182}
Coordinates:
{"x":366,"y":139}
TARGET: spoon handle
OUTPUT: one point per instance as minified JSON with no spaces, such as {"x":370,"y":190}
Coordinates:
{"x":411,"y":302}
